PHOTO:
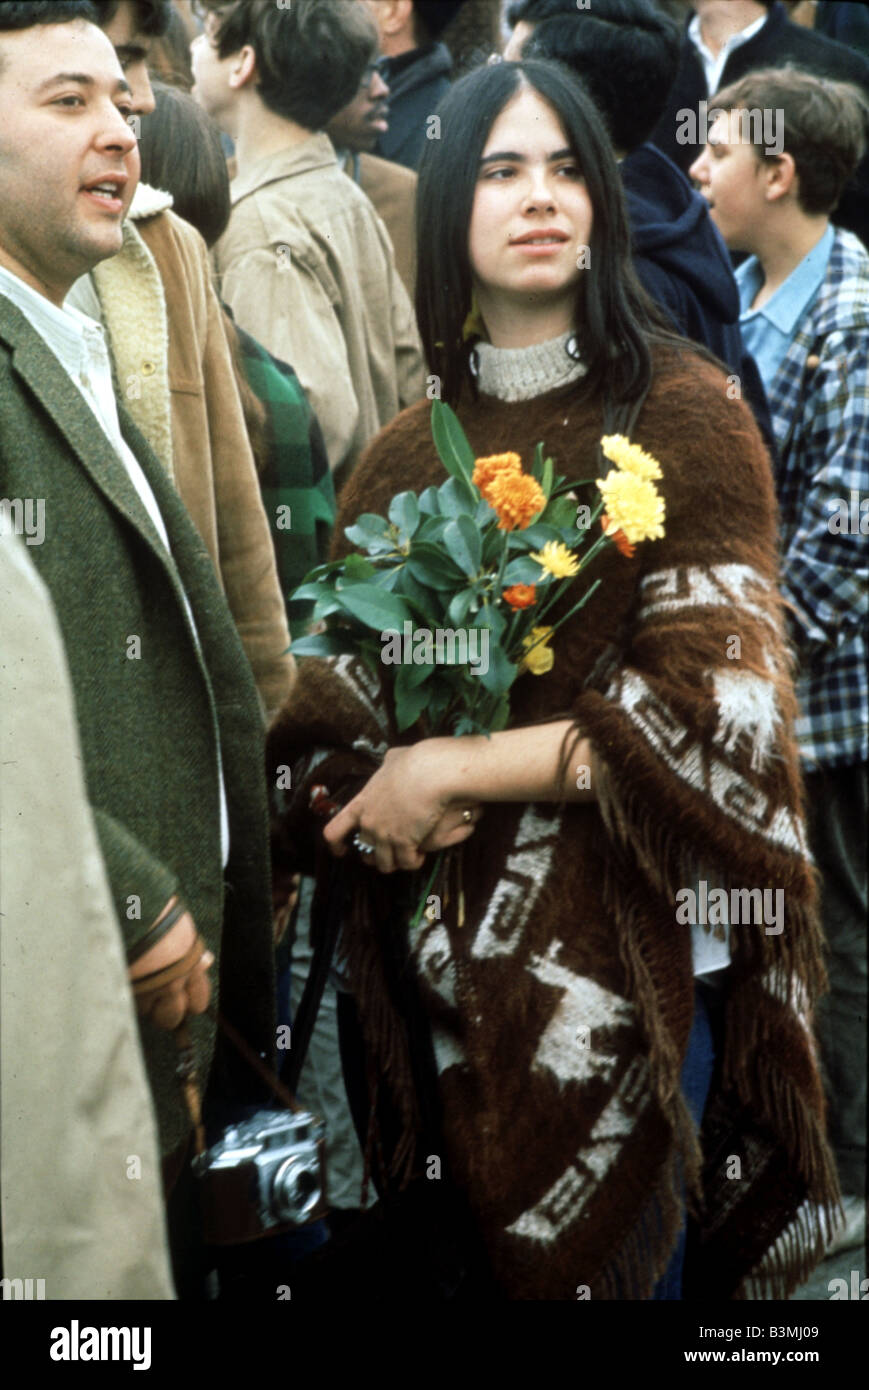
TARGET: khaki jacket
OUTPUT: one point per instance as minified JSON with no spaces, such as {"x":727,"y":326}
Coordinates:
{"x":392,"y":190}
{"x":307,"y":267}
{"x":175,"y":377}
{"x":82,"y":1202}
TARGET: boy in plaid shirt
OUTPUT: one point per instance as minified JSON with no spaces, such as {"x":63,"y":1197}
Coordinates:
{"x":805,"y":318}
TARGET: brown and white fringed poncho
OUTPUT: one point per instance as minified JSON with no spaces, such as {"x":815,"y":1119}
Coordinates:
{"x":561,"y":1009}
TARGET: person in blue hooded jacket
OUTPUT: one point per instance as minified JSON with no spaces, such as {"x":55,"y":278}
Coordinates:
{"x":626,"y":53}
{"x":416,"y":67}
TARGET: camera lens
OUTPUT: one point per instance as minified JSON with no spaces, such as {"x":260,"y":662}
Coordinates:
{"x":295,"y":1190}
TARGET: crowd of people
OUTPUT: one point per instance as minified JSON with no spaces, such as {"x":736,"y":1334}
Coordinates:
{"x":244,"y":246}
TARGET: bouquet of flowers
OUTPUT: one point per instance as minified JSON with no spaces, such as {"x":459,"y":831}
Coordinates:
{"x":454,"y":585}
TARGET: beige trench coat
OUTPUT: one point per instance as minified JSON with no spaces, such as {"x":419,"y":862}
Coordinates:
{"x":80,"y":1181}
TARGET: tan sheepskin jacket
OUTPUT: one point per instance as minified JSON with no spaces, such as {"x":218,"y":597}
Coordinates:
{"x":175,"y":377}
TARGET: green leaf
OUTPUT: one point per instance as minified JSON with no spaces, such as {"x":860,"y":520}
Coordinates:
{"x":464,"y":725}
{"x":462,"y":540}
{"x":404,"y":513}
{"x":451,"y":442}
{"x":432,"y":529}
{"x":430,"y":566}
{"x":484,"y":513}
{"x":560,"y":512}
{"x":523,"y":570}
{"x":536,"y":536}
{"x":455,"y":500}
{"x":409,"y":677}
{"x":548,"y":475}
{"x":493,"y":618}
{"x":428,"y":502}
{"x":493,"y":546}
{"x":537,"y":465}
{"x":325,"y":644}
{"x":409,"y":706}
{"x":375,"y":608}
{"x":439,"y":700}
{"x":501,"y":673}
{"x":323,"y":571}
{"x":501,"y":715}
{"x":387,"y":578}
{"x":460,"y":604}
{"x":426,"y":602}
{"x":307,"y":592}
{"x":371,"y":533}
{"x":326,"y":605}
{"x":358,"y":569}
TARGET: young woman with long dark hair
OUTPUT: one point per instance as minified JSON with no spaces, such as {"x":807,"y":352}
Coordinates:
{"x":607,"y":1047}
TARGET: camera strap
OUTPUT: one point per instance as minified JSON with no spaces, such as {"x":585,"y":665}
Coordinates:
{"x":325,"y":939}
{"x":272,"y":1080}
{"x":188,"y":1076}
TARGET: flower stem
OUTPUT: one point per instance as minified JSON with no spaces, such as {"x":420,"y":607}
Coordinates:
{"x":576,"y":607}
{"x":420,"y":907}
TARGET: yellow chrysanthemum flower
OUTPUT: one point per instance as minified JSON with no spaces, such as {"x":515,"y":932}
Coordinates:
{"x":557,"y":560}
{"x":630,"y":458}
{"x":541,"y":658}
{"x":633,"y":506}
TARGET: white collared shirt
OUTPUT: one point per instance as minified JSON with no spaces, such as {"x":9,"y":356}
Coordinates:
{"x":714,"y":63}
{"x":79,"y":344}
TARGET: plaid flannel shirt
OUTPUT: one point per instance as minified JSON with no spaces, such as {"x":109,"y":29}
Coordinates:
{"x":296,"y":484}
{"x":819,"y":400}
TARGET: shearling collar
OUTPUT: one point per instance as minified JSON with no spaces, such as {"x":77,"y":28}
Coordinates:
{"x":133,"y":304}
{"x":148,"y":201}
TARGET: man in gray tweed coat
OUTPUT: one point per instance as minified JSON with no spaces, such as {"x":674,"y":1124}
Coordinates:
{"x":170,"y":727}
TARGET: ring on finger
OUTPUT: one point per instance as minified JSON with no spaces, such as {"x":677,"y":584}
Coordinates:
{"x":362,"y":845}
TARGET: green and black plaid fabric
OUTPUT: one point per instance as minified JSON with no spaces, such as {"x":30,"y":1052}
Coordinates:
{"x":295,"y":481}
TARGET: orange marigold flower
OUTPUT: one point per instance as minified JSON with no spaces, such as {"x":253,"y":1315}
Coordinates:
{"x":516,"y":498}
{"x":520,"y":596}
{"x":488,"y":469}
{"x":622,"y":543}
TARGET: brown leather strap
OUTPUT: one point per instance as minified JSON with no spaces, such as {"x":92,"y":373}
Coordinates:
{"x":189,"y":1081}
{"x":157,"y":932}
{"x":159,"y":979}
{"x":272,"y":1081}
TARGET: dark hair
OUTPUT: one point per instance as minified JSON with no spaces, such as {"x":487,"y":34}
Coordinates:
{"x":152,"y":16}
{"x":627,"y":54}
{"x":310,"y":58}
{"x":169,"y":55}
{"x":825,"y":127}
{"x":431,"y":17}
{"x":181,"y":152}
{"x":615,"y":319}
{"x":28,"y":13}
{"x":473,"y":35}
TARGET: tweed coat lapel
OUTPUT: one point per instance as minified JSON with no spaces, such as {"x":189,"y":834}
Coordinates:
{"x":37,"y":365}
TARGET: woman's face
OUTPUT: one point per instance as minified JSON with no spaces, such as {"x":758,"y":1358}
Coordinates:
{"x":531,"y":219}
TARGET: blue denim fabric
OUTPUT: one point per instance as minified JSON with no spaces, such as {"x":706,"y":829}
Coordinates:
{"x":696,"y":1078}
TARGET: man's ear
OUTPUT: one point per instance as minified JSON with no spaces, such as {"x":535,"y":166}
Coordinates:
{"x":393,"y":16}
{"x":780,"y":173}
{"x":243,"y":68}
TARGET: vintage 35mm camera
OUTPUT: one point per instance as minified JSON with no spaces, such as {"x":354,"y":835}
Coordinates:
{"x":264,"y":1175}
